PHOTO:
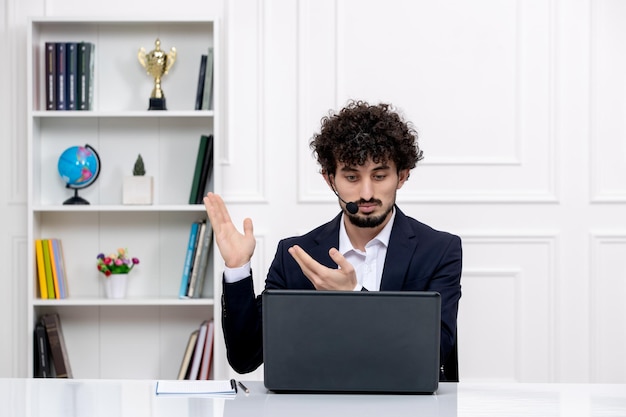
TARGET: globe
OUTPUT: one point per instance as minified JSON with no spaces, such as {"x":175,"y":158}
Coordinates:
{"x":79,"y":167}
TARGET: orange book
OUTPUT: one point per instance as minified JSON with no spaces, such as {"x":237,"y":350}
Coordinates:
{"x":41,"y":269}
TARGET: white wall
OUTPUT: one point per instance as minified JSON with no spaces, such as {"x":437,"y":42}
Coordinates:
{"x":520,"y":108}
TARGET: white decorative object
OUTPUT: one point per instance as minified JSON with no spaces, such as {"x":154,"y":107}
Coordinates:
{"x":115,"y":286}
{"x":137,"y":190}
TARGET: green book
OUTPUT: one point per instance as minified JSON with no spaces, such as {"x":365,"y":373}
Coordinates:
{"x":197,"y":173}
{"x":48,"y":269}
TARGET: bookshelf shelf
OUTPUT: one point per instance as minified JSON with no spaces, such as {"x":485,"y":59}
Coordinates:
{"x":128,"y":302}
{"x":189,"y":208}
{"x":120,"y":127}
{"x":129,"y":114}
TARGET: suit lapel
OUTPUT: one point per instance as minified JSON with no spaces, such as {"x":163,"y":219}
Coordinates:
{"x":402,"y":243}
{"x":327,"y":238}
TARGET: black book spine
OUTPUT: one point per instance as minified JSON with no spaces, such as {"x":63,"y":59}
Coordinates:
{"x":50,"y":73}
{"x":71,"y":80}
{"x":207,"y":169}
{"x":61,"y":76}
{"x":201,"y":76}
{"x":42,"y":353}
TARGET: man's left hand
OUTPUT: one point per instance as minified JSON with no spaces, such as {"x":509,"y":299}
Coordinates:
{"x":322,"y":277}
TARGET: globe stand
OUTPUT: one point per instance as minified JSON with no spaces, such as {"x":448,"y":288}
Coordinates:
{"x":76,"y":199}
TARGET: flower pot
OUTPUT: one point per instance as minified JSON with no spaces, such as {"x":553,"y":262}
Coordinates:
{"x":115,"y":285}
{"x":137,"y":190}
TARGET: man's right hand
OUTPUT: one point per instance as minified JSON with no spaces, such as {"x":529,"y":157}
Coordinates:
{"x":236,"y":248}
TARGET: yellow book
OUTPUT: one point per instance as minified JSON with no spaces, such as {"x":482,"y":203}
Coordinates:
{"x":53,"y":267}
{"x":41,"y":269}
{"x":48,"y":269}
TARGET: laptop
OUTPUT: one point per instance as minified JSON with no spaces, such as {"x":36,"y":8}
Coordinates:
{"x":346,"y":341}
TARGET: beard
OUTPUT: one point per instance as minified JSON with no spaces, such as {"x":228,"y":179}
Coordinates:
{"x":369,"y":221}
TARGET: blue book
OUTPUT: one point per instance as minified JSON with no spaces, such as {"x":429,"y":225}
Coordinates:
{"x":60,"y":267}
{"x":191,"y":247}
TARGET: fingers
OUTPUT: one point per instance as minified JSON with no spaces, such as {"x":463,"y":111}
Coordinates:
{"x":324,"y":278}
{"x":339,"y":259}
{"x":216,"y":209}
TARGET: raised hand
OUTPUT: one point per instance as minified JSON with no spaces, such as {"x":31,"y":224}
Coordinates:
{"x":236,"y":248}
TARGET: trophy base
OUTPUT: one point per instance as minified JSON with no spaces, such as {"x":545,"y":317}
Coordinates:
{"x":157,"y":104}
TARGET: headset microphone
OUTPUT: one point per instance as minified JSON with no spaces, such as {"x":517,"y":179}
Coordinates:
{"x":351,"y":206}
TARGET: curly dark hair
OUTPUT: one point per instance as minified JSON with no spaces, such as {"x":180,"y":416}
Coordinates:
{"x":360,"y":131}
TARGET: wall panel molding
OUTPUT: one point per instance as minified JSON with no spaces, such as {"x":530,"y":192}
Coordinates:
{"x":526,"y":172}
{"x":607,"y":290}
{"x":245,"y":68}
{"x":606,"y":141}
{"x":510,"y":284}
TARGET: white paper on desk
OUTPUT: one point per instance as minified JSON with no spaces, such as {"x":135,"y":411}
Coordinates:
{"x":214,"y":388}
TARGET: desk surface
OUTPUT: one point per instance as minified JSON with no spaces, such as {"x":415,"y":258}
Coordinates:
{"x":136,"y":398}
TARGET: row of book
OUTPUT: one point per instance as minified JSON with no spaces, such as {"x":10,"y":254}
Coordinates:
{"x":198,"y":356}
{"x":196,"y":259}
{"x":51,"y":272}
{"x":204,"y":92}
{"x":69,"y":72}
{"x":51,"y":359}
{"x":203,"y":170}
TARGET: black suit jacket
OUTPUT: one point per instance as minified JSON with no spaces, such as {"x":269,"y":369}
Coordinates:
{"x":419,"y":258}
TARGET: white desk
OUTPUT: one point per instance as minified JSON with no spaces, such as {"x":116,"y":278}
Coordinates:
{"x":129,"y":398}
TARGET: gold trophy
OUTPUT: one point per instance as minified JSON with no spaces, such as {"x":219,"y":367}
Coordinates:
{"x":157,"y":63}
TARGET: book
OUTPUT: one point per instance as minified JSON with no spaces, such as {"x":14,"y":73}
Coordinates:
{"x":48,"y":269}
{"x":197,"y":172}
{"x":205,"y":250}
{"x":50,"y":73}
{"x":184,"y":282}
{"x":84,"y":89}
{"x":207,"y":95}
{"x":61,"y":64}
{"x":58,"y":349}
{"x":71,"y":80}
{"x":184,"y":365}
{"x":207,"y":170}
{"x":196,"y":259}
{"x":59,"y":263}
{"x":43,"y":369}
{"x":200,"y":87}
{"x":198,"y":350}
{"x":53,"y":267}
{"x":41,"y":269}
{"x":207,"y":354}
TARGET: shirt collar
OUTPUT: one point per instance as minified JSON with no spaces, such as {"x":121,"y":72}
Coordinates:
{"x":345,"y":245}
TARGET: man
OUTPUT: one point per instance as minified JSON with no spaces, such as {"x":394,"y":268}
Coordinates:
{"x":366,"y":153}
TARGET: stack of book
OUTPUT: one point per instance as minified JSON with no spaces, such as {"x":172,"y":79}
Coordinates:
{"x":196,"y":259}
{"x":203,"y":170}
{"x":198,"y":357}
{"x":51,"y":269}
{"x":51,"y":359}
{"x":204,"y":92}
{"x":69,"y":72}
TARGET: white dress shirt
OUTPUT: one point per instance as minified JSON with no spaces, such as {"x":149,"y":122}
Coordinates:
{"x":369,"y":264}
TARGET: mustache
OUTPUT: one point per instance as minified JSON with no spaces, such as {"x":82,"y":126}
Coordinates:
{"x":370,"y":201}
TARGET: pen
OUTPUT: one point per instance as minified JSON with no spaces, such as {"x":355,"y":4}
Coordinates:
{"x":243,"y":387}
{"x":233,"y":384}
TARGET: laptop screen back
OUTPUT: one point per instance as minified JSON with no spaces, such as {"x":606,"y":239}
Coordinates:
{"x":335,"y":341}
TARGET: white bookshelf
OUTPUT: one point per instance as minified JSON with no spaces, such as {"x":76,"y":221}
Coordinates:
{"x":145,"y":334}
